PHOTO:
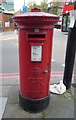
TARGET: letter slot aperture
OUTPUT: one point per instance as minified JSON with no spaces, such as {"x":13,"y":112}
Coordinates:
{"x":36,"y":36}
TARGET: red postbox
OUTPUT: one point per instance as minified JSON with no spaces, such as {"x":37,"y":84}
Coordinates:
{"x":35,"y":48}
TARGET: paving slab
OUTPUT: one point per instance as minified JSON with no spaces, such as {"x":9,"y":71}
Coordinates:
{"x":10,"y":81}
{"x":3,"y":101}
{"x":61,"y":106}
{"x":5,"y":91}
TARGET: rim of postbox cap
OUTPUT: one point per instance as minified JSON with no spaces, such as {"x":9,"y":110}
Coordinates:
{"x":36,"y":16}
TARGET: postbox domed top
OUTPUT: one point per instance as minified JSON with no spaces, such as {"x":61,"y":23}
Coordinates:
{"x":36,"y":16}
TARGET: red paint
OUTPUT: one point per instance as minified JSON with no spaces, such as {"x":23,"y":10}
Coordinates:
{"x":57,"y":71}
{"x":18,"y":73}
{"x":5,"y":77}
{"x":35,"y":28}
{"x":68,"y":8}
{"x":17,"y":76}
{"x":9,"y":73}
{"x":2,"y":74}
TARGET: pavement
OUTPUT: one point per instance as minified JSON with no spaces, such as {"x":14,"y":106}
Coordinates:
{"x":61,"y":106}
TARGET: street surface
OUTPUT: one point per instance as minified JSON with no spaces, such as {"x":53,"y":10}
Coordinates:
{"x":62,"y":106}
{"x":10,"y":56}
{"x":10,"y":65}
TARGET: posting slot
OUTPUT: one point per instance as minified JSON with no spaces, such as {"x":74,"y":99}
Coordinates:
{"x":36,"y":36}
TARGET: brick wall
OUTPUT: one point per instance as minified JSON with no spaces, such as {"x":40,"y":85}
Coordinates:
{"x":4,"y":18}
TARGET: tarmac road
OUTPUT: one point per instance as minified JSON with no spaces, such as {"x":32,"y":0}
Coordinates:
{"x":60,"y":106}
{"x":10,"y":50}
{"x":10,"y":63}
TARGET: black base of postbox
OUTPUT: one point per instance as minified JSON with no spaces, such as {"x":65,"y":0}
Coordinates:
{"x":34,"y":105}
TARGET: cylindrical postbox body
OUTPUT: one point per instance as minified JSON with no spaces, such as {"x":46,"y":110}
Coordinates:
{"x":35,"y":48}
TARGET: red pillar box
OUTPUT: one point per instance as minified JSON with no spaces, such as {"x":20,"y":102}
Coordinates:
{"x":35,"y":48}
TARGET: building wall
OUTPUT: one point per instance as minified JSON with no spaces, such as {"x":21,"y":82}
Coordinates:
{"x":6,"y":9}
{"x":59,"y":11}
{"x":0,"y":1}
{"x":0,"y":21}
{"x":9,"y":0}
{"x":7,"y":5}
{"x":5,"y":19}
{"x":0,"y":16}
